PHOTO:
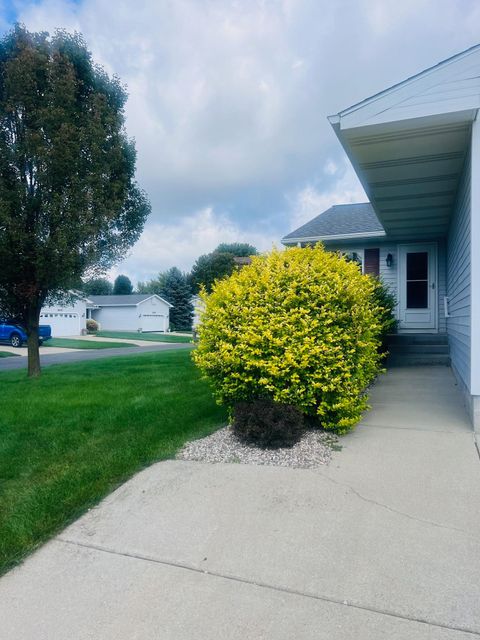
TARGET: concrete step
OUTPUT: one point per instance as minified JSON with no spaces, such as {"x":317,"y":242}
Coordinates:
{"x":413,"y":360}
{"x":401,"y":349}
{"x":417,"y":338}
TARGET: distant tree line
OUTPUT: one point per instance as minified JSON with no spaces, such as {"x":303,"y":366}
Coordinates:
{"x":178,"y":287}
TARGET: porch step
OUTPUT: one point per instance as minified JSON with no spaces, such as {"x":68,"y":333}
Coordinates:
{"x":413,"y":360}
{"x":417,"y":338}
{"x":419,"y":348}
{"x":408,"y":350}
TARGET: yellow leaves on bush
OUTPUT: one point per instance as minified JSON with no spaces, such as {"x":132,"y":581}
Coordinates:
{"x":299,"y":326}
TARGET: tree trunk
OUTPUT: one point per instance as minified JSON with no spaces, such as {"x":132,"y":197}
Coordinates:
{"x":33,"y":321}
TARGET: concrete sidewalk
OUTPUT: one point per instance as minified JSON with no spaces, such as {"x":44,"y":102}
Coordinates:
{"x":383,"y":543}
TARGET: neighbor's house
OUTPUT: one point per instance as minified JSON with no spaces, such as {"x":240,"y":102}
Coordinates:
{"x":68,"y":318}
{"x":416,"y":150}
{"x":136,"y":312}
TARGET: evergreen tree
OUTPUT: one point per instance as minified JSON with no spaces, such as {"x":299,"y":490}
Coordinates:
{"x":176,"y":290}
{"x":173,"y":286}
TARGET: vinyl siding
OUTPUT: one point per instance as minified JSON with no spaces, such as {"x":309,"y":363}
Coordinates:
{"x":451,"y":86}
{"x":459,"y":278}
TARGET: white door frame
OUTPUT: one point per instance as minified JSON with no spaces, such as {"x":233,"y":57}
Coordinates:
{"x":428,"y":324}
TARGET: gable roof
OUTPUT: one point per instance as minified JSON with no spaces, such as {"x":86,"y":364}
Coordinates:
{"x":408,"y":145}
{"x":340,"y":221}
{"x":131,"y":300}
{"x":450,"y":86}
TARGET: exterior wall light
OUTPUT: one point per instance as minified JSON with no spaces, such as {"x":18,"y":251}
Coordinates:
{"x":389,"y":260}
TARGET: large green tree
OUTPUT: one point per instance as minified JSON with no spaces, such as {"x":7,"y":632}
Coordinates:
{"x":218,"y":264}
{"x":97,"y":287}
{"x":239,"y":249}
{"x":69,"y":203}
{"x":122,"y":286}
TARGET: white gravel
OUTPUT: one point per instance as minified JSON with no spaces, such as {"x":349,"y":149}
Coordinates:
{"x":313,"y":450}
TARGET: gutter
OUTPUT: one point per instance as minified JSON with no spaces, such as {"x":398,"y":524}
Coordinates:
{"x":340,"y":236}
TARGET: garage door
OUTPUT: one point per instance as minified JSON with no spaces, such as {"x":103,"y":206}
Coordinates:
{"x":153,"y":323}
{"x":63,"y":324}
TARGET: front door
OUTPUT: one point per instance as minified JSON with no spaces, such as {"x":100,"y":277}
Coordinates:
{"x":418,"y":287}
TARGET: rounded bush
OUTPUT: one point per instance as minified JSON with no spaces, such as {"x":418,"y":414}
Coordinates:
{"x":92,"y":325}
{"x":299,"y":327}
{"x":267,"y":424}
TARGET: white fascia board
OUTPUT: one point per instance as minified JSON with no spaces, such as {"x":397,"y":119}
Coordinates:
{"x":340,"y":236}
{"x":100,"y":306}
{"x":154,"y":295}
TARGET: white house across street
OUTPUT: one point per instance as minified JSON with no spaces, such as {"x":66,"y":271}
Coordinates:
{"x":135,"y":312}
{"x":68,"y":318}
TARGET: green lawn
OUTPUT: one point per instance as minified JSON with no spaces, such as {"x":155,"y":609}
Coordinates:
{"x":70,"y":437}
{"x":7,"y":354}
{"x":71,"y":343}
{"x":149,"y":337}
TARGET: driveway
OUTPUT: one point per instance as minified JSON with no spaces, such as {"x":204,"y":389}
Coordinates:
{"x":383,"y":543}
{"x":57,"y":355}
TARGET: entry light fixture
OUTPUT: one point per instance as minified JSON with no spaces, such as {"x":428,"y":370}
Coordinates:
{"x":389,"y":260}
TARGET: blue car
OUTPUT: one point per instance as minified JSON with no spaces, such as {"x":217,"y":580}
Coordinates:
{"x":15,"y":334}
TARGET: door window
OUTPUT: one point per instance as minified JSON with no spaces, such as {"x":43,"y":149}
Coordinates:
{"x":417,"y":280}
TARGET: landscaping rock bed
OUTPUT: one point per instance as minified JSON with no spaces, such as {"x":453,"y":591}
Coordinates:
{"x":313,"y":450}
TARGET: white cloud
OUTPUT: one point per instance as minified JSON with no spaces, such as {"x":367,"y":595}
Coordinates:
{"x":228,"y":100}
{"x":309,"y":201}
{"x":163,"y":244}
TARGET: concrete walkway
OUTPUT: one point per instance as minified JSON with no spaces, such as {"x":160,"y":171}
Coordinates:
{"x":382,"y":544}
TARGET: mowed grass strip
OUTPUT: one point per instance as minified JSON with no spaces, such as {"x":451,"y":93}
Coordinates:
{"x":71,"y":343}
{"x":72,"y":436}
{"x":148,"y":337}
{"x":7,"y":354}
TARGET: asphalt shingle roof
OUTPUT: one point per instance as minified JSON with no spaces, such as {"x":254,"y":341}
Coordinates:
{"x":340,"y":219}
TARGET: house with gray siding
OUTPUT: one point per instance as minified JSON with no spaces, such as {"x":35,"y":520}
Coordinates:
{"x":416,"y":150}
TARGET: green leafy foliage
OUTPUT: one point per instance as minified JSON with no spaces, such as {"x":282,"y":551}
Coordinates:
{"x":298,"y":327}
{"x":240,"y":249}
{"x":218,"y":264}
{"x":97,"y":287}
{"x":69,"y":203}
{"x":92,"y":325}
{"x":386,"y":301}
{"x":209,"y":268}
{"x":122,"y":286}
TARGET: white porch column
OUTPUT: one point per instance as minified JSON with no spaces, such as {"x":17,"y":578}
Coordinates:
{"x":475,"y":275}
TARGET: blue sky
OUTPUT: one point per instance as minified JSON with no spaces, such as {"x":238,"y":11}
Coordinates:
{"x":228,"y":101}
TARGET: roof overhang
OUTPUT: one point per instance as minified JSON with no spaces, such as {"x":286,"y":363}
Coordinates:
{"x":410,"y":169}
{"x":408,"y":145}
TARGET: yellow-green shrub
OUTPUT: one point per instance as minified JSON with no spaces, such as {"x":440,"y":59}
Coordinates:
{"x":298,"y":326}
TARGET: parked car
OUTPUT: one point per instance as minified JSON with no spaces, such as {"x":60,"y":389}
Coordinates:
{"x":15,"y":334}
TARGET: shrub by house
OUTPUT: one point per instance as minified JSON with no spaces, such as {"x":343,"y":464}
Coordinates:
{"x":300,"y":327}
